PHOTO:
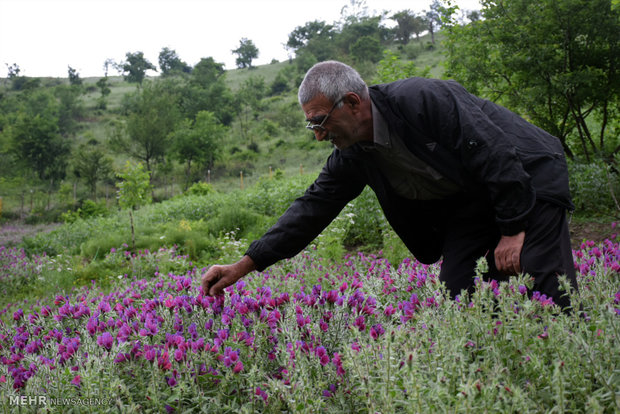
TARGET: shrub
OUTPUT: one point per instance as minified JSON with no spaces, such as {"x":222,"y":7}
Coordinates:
{"x":200,"y":188}
{"x":593,"y":187}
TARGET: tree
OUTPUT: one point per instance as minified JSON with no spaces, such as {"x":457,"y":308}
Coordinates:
{"x":152,"y":114}
{"x":37,"y":143}
{"x":207,"y":72}
{"x":246,"y":52}
{"x":70,"y":107}
{"x":555,"y":61}
{"x":92,"y":165}
{"x":366,"y":49}
{"x":249,"y":101}
{"x":207,"y":91}
{"x":135,"y":66}
{"x":133,"y":192}
{"x":315,"y":37}
{"x":74,"y":77}
{"x":197,"y":142}
{"x":171,"y":64}
{"x":105,"y":90}
{"x":433,"y":18}
{"x":406,"y":25}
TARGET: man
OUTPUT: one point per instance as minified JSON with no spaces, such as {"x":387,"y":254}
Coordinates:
{"x":456,"y":176}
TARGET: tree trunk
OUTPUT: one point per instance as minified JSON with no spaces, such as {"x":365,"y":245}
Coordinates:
{"x":133,"y":233}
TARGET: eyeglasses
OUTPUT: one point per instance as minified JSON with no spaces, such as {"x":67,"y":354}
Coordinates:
{"x":319,"y":126}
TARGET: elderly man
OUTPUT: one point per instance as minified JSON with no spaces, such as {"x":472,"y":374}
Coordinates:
{"x":457,"y":177}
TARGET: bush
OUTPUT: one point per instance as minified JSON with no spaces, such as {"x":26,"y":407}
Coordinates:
{"x":594,"y":187}
{"x":200,"y":188}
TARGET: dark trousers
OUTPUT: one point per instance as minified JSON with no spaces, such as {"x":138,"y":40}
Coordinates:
{"x":470,"y":232}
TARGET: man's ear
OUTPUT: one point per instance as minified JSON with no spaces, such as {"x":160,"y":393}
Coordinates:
{"x":352,"y":100}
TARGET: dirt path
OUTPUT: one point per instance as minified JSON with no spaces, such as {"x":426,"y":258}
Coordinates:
{"x":13,"y":233}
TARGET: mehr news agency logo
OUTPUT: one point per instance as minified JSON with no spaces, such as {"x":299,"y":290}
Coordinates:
{"x":44,"y":400}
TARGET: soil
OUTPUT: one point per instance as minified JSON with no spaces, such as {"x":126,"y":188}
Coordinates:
{"x":592,"y":230}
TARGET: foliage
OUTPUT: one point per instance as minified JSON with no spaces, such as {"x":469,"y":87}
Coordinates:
{"x":89,"y":209}
{"x":92,"y":165}
{"x":554,"y":61}
{"x":392,"y":68}
{"x":366,"y":49}
{"x":105,"y":90}
{"x":171,"y":64}
{"x":74,"y":76}
{"x":38,"y":144}
{"x":133,"y":191}
{"x":408,"y":24}
{"x":200,"y":188}
{"x":135,"y":66}
{"x":153,"y":115}
{"x":246,"y":52}
{"x":207,"y":91}
{"x":595,"y":188}
{"x":134,"y":188}
{"x":198,"y":141}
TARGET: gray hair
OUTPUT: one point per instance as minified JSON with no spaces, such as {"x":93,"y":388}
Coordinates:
{"x":332,"y":79}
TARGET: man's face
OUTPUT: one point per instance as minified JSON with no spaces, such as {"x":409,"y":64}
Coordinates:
{"x":330,"y":122}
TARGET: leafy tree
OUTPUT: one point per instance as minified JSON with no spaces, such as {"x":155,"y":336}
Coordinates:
{"x":171,"y":64}
{"x":152,"y":114}
{"x":197,"y":142}
{"x":283,"y":80}
{"x":408,"y":23}
{"x":105,"y":90}
{"x":556,"y":61}
{"x":315,"y":38}
{"x":70,"y":107}
{"x":135,"y":66}
{"x":246,"y":52}
{"x":437,"y":14}
{"x":92,"y":165}
{"x":249,"y":102}
{"x":74,"y":77}
{"x":37,"y":143}
{"x":207,"y":91}
{"x":366,"y":49}
{"x":207,"y":71}
{"x":354,"y":29}
{"x":133,"y":192}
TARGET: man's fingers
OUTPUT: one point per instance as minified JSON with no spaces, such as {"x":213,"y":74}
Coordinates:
{"x":209,"y":279}
{"x":218,"y":288}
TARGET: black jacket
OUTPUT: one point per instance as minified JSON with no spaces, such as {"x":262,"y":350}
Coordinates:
{"x":483,"y":147}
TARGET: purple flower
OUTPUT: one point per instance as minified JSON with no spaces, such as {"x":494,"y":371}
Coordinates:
{"x":376,"y":331}
{"x":105,"y":340}
{"x":322,"y":354}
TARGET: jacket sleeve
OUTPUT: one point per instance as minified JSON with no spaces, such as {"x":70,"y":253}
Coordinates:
{"x":485,"y":150}
{"x":338,"y":183}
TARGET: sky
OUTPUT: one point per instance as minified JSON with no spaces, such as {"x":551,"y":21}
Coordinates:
{"x":45,"y":37}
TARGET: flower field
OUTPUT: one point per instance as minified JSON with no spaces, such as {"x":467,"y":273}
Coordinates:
{"x":310,"y":335}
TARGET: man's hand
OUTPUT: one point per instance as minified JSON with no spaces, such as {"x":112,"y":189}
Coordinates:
{"x":219,"y":277}
{"x":508,"y":254}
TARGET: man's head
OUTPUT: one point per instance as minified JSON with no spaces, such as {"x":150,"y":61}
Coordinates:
{"x":336,"y":103}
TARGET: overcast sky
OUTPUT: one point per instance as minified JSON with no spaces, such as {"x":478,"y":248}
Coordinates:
{"x":44,"y":37}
